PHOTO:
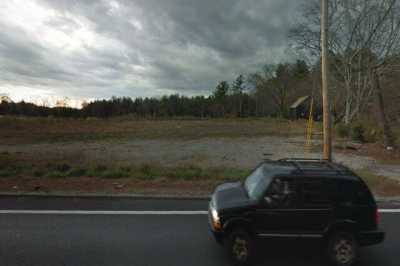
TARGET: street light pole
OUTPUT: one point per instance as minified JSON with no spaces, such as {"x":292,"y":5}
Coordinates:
{"x":325,"y":82}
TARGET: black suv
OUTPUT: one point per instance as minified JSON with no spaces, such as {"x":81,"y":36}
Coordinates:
{"x":296,"y":199}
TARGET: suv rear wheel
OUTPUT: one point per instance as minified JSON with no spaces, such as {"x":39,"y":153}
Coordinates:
{"x":342,"y":249}
{"x":240,"y":247}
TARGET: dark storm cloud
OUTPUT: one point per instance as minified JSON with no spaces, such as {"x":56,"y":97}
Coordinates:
{"x":142,"y":47}
{"x":23,"y":60}
{"x":234,"y":28}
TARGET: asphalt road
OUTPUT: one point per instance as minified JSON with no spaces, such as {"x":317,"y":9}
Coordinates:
{"x":142,"y":239}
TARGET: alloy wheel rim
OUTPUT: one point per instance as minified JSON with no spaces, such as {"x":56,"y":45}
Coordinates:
{"x":240,"y":249}
{"x":344,"y":251}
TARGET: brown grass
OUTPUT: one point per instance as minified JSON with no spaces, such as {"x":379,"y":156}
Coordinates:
{"x":15,"y":130}
{"x":380,"y":185}
{"x":158,"y":186}
{"x":376,"y":151}
{"x":16,"y":165}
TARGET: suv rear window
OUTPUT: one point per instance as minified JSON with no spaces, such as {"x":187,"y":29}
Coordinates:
{"x":355,"y":192}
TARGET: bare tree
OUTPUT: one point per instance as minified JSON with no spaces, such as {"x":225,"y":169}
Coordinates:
{"x":276,"y":86}
{"x":84,"y":104}
{"x":63,"y":102}
{"x":364,"y":39}
{"x":260,"y":81}
{"x":5,"y":98}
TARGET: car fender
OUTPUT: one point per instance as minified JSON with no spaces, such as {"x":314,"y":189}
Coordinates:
{"x":237,"y":222}
{"x":341,"y":225}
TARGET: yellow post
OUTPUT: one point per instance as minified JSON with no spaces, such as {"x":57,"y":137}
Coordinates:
{"x":310,"y":125}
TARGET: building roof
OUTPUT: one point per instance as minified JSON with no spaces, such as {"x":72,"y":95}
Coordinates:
{"x":299,"y":101}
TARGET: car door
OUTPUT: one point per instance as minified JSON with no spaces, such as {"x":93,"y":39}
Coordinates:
{"x":278,"y":217}
{"x":316,"y":205}
{"x":355,"y":203}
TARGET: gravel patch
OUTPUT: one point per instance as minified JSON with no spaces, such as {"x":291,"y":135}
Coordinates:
{"x":215,"y":152}
{"x":392,"y":171}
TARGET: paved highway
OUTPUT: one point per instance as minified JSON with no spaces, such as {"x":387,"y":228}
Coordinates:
{"x":123,"y":231}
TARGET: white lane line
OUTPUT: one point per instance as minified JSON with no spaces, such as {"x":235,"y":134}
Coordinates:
{"x":389,"y":210}
{"x":85,"y":212}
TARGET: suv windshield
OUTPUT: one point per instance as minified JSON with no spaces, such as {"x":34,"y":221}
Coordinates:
{"x":257,"y":182}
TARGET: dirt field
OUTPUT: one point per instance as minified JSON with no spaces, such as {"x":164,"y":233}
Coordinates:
{"x":207,"y":151}
{"x":17,"y":130}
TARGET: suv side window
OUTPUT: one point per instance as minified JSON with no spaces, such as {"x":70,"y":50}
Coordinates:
{"x":316,"y":193}
{"x":283,"y":193}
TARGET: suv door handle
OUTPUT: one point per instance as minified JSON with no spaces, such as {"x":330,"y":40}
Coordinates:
{"x":267,"y":211}
{"x":273,"y":212}
{"x":348,"y":204}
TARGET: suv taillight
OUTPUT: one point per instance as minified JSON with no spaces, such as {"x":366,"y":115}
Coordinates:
{"x":377,"y":216}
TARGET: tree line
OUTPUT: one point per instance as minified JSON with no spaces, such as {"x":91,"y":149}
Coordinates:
{"x":268,"y":92}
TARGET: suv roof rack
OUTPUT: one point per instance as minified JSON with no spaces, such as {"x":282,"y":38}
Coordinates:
{"x":302,"y":160}
{"x":305,"y":165}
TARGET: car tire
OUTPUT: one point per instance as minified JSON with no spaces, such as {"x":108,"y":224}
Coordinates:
{"x":342,"y":249}
{"x":240,"y":247}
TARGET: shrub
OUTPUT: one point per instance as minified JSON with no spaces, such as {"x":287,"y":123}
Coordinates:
{"x":357,"y":132}
{"x":372,"y":135}
{"x":77,"y":172}
{"x":38,"y":173}
{"x":146,"y":170}
{"x":342,"y":130}
{"x":187,"y":172}
{"x":8,"y":172}
{"x":115,"y":173}
{"x":100,"y":169}
{"x":56,"y":174}
{"x":63,"y":167}
{"x":7,"y":160}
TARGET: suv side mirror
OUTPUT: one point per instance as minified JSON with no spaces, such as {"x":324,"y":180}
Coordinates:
{"x":268,"y":200}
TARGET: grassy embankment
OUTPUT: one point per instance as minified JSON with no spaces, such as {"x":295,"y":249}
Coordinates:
{"x":12,"y":166}
{"x":11,"y":169}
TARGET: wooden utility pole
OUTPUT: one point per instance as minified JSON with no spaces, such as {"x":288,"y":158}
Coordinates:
{"x":325,"y":83}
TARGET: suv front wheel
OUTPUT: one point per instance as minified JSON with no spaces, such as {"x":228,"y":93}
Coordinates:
{"x":342,"y":249}
{"x":239,"y":245}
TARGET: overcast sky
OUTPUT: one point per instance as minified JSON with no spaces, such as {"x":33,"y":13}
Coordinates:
{"x":87,"y":49}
